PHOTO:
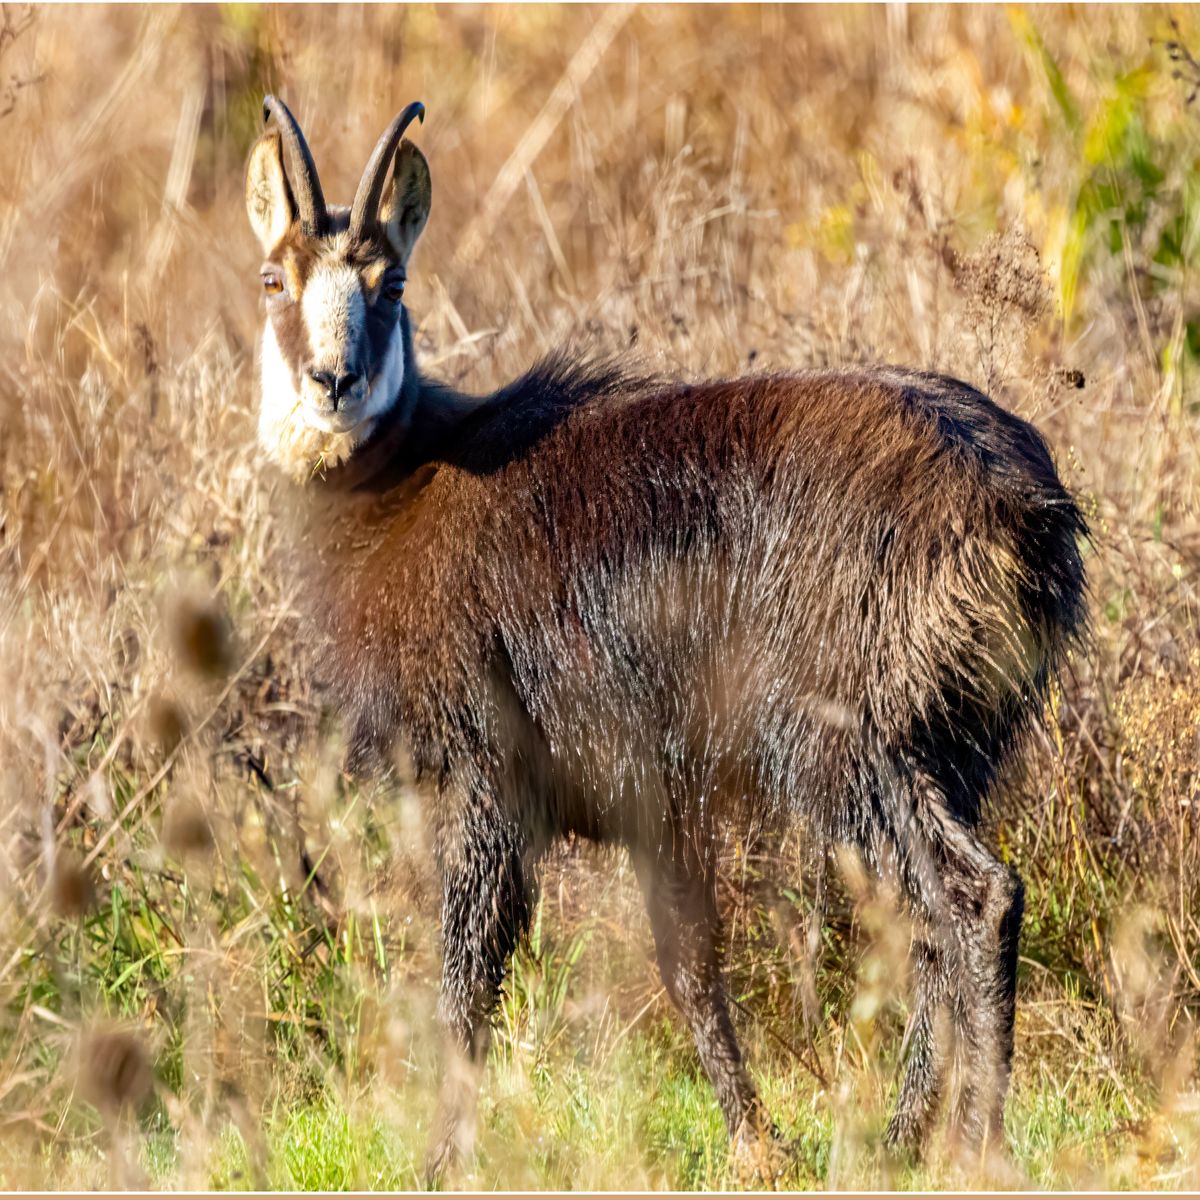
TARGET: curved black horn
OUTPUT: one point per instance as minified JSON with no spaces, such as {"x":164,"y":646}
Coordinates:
{"x":365,"y":209}
{"x":301,"y":170}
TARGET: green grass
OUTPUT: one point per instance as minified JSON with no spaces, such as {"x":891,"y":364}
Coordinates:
{"x":577,"y":1097}
{"x":648,"y":1116}
{"x":592,"y":1078}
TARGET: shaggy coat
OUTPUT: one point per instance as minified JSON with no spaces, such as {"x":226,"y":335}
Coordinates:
{"x":632,"y":610}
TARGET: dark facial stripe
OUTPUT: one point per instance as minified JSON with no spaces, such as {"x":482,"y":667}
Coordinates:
{"x":287,"y":320}
{"x":382,"y":318}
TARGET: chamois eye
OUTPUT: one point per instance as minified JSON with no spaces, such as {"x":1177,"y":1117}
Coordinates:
{"x":272,"y":284}
{"x":393,"y":290}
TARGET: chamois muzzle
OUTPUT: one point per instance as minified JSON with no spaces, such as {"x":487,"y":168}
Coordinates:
{"x":301,"y":170}
{"x":364,"y":213}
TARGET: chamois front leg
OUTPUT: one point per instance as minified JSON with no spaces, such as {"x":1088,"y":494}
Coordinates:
{"x":678,"y":881}
{"x":486,"y":904}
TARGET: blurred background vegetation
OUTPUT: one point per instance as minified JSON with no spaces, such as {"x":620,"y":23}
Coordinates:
{"x":217,"y":955}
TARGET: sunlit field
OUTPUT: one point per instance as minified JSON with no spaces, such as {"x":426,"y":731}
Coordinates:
{"x":218,"y":953}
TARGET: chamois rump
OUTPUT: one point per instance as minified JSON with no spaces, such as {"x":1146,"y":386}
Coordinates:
{"x":628,"y":609}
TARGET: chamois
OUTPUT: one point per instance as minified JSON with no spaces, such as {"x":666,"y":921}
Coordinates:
{"x":602,"y":604}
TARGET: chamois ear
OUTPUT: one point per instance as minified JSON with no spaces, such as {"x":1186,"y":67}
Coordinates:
{"x":268,"y":198}
{"x":405,"y":207}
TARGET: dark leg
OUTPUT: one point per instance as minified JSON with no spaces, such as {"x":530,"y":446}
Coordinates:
{"x":486,"y":901}
{"x":679,"y":888}
{"x":927,"y":1037}
{"x":966,"y":976}
{"x":987,"y":900}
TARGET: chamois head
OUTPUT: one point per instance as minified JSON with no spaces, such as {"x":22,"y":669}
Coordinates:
{"x":334,"y":337}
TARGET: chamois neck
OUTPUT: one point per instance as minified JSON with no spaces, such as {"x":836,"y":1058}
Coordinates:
{"x":417,"y":430}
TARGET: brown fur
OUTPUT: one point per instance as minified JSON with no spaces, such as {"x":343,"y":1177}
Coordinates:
{"x":630,"y":610}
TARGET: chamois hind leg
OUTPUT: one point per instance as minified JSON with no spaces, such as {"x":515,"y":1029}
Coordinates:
{"x":679,"y":885}
{"x":986,"y":901}
{"x":966,"y":969}
{"x":926,"y":1037}
{"x":486,"y":904}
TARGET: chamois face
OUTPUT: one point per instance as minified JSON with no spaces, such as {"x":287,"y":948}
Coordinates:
{"x":332,"y":346}
{"x":332,"y":281}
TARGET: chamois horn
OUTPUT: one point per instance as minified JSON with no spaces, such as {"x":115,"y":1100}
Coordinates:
{"x":365,"y":210}
{"x":301,"y":170}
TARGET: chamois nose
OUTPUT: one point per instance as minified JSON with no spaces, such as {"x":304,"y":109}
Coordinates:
{"x":336,"y":386}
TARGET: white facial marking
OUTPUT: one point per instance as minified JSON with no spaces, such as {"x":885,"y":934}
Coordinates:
{"x":334,"y":313}
{"x":301,"y":440}
{"x":285,"y":433}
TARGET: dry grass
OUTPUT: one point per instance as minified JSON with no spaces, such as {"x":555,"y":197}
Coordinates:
{"x":217,"y":956}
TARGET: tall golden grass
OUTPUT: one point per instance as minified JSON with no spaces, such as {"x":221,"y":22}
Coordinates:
{"x":201,"y":920}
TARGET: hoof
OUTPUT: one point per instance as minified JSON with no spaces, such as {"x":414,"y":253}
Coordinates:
{"x":905,"y":1139}
{"x":758,"y":1154}
{"x":986,"y":1162}
{"x":443,"y":1161}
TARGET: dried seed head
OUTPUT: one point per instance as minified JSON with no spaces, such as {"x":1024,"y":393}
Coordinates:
{"x":72,"y":891}
{"x":1006,"y":274}
{"x":186,"y":828}
{"x":128,"y":650}
{"x":114,"y":1070}
{"x":201,"y":637}
{"x":168,"y":725}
